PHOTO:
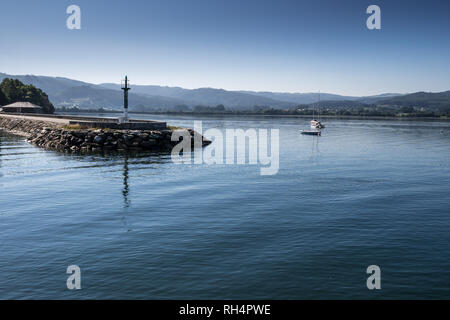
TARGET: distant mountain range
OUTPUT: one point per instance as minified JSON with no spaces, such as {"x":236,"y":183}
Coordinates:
{"x":243,"y":99}
{"x":308,"y":98}
{"x":69,"y":93}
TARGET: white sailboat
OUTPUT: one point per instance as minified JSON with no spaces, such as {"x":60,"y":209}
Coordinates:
{"x":316,"y":124}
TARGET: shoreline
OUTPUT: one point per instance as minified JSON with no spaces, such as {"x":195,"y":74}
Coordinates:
{"x":58,"y":134}
{"x":193,"y":114}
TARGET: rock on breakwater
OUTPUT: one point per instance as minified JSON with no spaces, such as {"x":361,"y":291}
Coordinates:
{"x":22,"y":126}
{"x":71,"y":139}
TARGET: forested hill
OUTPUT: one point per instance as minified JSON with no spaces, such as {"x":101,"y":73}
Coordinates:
{"x":439,"y":101}
{"x":13,"y":90}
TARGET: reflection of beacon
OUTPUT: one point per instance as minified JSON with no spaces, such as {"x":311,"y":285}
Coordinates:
{"x":125,"y":88}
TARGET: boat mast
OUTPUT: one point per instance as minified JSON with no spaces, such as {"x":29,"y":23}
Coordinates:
{"x":318,"y":108}
{"x":314,"y":108}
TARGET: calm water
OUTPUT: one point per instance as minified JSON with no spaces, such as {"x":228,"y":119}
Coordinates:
{"x":366,"y":192}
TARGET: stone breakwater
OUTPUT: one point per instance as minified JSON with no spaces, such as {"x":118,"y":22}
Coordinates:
{"x":67,"y":139}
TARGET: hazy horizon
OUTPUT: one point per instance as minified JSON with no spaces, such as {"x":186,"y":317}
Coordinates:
{"x":209,"y":87}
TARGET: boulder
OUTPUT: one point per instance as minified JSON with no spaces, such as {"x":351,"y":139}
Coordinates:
{"x":98,"y":139}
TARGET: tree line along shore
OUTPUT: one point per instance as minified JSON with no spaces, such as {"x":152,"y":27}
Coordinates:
{"x":356,"y":114}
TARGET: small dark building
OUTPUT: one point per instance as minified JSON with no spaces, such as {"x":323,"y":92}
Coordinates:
{"x":21,"y":107}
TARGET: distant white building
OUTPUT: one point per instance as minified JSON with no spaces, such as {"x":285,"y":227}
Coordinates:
{"x":21,"y":107}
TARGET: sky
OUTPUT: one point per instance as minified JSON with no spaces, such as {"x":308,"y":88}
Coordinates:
{"x":260,"y":45}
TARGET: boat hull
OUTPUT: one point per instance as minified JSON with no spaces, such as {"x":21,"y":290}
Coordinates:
{"x":311,"y":133}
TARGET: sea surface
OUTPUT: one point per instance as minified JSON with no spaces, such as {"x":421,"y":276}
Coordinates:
{"x":143,"y":227}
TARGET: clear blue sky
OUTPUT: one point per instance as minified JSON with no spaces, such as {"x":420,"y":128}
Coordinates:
{"x":289,"y":46}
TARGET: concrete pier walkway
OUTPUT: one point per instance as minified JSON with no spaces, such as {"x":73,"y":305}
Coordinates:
{"x":92,"y":122}
{"x":37,"y":117}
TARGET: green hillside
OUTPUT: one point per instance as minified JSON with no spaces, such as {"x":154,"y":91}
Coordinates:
{"x":13,"y":90}
{"x":439,"y":101}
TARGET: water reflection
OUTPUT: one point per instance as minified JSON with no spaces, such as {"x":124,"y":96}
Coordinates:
{"x":125,"y":193}
{"x":315,"y":151}
{"x":126,"y":162}
{"x":126,"y":188}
